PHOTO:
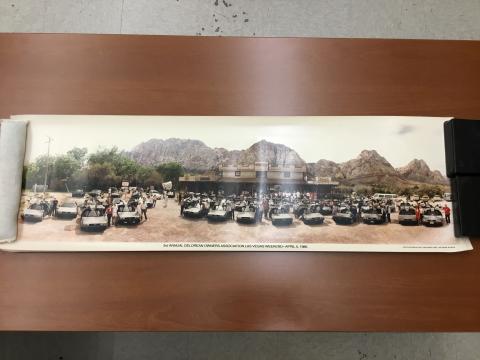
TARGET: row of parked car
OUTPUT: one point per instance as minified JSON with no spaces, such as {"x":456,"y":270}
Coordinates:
{"x":283,"y":211}
{"x":90,"y":208}
{"x":247,"y":211}
{"x":114,"y":192}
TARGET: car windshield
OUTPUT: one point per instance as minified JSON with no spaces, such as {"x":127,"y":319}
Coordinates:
{"x":69,"y":205}
{"x":92,"y":213}
{"x":193,"y":204}
{"x":410,"y":211}
{"x":433,"y":212}
{"x":36,"y":207}
{"x":344,"y":211}
{"x":126,"y":209}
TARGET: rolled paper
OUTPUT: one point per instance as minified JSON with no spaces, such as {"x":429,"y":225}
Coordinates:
{"x":13,"y":136}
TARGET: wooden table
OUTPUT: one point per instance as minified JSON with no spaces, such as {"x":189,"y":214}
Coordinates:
{"x":88,"y":74}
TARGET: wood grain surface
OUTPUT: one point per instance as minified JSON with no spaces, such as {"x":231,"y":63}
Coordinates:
{"x":91,"y":74}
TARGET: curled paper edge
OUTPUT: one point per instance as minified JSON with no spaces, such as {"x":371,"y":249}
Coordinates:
{"x":13,"y":135}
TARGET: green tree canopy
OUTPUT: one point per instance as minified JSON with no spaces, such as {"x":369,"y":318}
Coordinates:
{"x":123,"y":166}
{"x":171,"y":171}
{"x":79,"y":154}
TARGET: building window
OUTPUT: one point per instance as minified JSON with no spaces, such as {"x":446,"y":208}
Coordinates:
{"x":237,"y":173}
{"x":286,"y":174}
{"x":261,"y":174}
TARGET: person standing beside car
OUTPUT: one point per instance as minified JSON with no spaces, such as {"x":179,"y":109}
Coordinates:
{"x":143,"y":207}
{"x":334,"y":209}
{"x":266,"y":208}
{"x":182,"y":206}
{"x":138,"y":207}
{"x":165,"y":199}
{"x":447,"y":211}
{"x":354,"y":211}
{"x":54,"y":206}
{"x":109,"y":213}
{"x":418,"y":215}
{"x":387,"y":213}
{"x":115,"y":214}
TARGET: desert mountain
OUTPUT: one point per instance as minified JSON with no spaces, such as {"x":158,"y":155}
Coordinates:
{"x":194,"y":155}
{"x":325,"y":168}
{"x":275,"y":154}
{"x":367,"y":168}
{"x":418,"y":170}
{"x":368,"y":163}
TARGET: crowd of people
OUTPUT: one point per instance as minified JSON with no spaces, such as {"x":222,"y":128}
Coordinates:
{"x":299,"y":203}
{"x":139,"y":201}
{"x":132,"y":200}
{"x":107,"y":204}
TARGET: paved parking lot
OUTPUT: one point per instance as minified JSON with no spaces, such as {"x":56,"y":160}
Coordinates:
{"x":165,"y":224}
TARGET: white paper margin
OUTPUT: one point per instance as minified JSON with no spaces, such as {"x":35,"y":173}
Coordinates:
{"x":462,"y":244}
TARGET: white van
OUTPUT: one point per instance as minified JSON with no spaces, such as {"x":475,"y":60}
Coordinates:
{"x":415,"y":198}
{"x":379,"y":196}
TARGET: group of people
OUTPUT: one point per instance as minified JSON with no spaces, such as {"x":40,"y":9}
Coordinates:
{"x":264,"y":208}
{"x":134,"y":201}
{"x":49,"y":207}
{"x":111,"y":211}
{"x":268,"y":204}
{"x":385,"y":210}
{"x":446,"y":211}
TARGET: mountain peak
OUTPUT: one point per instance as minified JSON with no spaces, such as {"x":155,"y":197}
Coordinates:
{"x":368,"y":154}
{"x":418,"y":170}
{"x":414,"y":165}
{"x":264,"y":143}
{"x":270,"y":152}
{"x":368,"y":162}
{"x":418,"y":162}
{"x":192,"y":154}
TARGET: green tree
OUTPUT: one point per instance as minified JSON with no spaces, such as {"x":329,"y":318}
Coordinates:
{"x":35,"y":171}
{"x":148,"y":176}
{"x":121,"y":166}
{"x":407,"y":191}
{"x":362,"y":189}
{"x":64,"y":166}
{"x":431,"y":190}
{"x":101,"y":176}
{"x":171,"y":172}
{"x":78,"y":154}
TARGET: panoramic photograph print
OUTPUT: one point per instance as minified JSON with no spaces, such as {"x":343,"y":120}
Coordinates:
{"x":236,"y":183}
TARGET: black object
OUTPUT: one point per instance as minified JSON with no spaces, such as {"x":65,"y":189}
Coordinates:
{"x":462,"y":151}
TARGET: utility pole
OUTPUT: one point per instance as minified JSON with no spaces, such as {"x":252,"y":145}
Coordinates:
{"x":48,"y":164}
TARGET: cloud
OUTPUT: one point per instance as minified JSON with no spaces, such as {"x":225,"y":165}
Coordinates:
{"x":405,"y":129}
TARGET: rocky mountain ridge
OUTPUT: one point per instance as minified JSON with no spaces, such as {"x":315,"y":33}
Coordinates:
{"x":368,"y":167}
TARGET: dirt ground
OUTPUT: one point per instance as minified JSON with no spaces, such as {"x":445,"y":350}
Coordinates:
{"x":165,"y":224}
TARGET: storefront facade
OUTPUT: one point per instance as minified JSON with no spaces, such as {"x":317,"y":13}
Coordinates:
{"x":260,"y":177}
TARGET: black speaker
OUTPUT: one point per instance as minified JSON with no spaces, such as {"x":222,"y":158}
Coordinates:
{"x":462,"y":153}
